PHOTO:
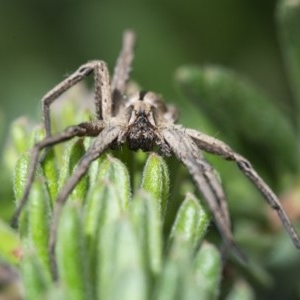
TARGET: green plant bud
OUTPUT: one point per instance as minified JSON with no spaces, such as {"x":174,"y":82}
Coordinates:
{"x":146,"y":218}
{"x":20,"y":174}
{"x":156,"y":180}
{"x":109,"y":193}
{"x":191,"y":223}
{"x":258,"y":124}
{"x":120,"y":268}
{"x":108,"y":196}
{"x":207,"y":270}
{"x":73,"y":152}
{"x":72,"y":263}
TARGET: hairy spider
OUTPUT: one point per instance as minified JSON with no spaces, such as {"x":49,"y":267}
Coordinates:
{"x":143,"y":121}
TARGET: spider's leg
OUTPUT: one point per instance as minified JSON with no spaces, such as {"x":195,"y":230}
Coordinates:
{"x":269,"y":195}
{"x":123,"y":65}
{"x":100,"y":144}
{"x":218,"y":147}
{"x":102,"y":91}
{"x":206,"y":180}
{"x":83,"y":129}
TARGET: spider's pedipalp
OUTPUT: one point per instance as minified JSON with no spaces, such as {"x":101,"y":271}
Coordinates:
{"x":206,"y":180}
{"x":215,"y":146}
{"x":102,"y":91}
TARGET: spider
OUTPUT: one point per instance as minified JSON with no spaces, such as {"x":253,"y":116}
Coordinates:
{"x":143,"y":121}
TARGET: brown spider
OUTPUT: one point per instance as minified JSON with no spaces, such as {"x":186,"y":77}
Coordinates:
{"x":143,"y":121}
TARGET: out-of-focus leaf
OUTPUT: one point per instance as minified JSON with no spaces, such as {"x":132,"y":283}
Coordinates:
{"x":39,"y":213}
{"x":18,"y":142}
{"x":208,"y":269}
{"x":191,"y":222}
{"x":241,"y":290}
{"x":288,"y":17}
{"x":145,"y":213}
{"x":177,"y":280}
{"x":10,"y":246}
{"x":180,"y":277}
{"x":72,"y":265}
{"x":244,"y":114}
{"x":120,"y":267}
{"x":36,"y":280}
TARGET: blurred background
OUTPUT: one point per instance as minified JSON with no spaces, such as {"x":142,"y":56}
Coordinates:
{"x":43,"y":41}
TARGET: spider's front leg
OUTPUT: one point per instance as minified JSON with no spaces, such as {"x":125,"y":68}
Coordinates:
{"x":206,"y":180}
{"x":102,"y":91}
{"x":215,"y":146}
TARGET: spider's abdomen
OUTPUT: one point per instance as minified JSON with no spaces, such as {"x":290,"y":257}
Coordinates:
{"x":141,"y":134}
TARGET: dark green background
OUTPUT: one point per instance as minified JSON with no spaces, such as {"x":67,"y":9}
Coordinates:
{"x":43,"y":41}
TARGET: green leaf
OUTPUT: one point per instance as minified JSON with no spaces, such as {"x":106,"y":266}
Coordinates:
{"x":191,"y":223}
{"x":146,"y":217}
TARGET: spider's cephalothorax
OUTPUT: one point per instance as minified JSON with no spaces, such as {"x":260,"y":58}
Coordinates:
{"x":141,"y":125}
{"x":142,"y":120}
{"x":147,"y":112}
